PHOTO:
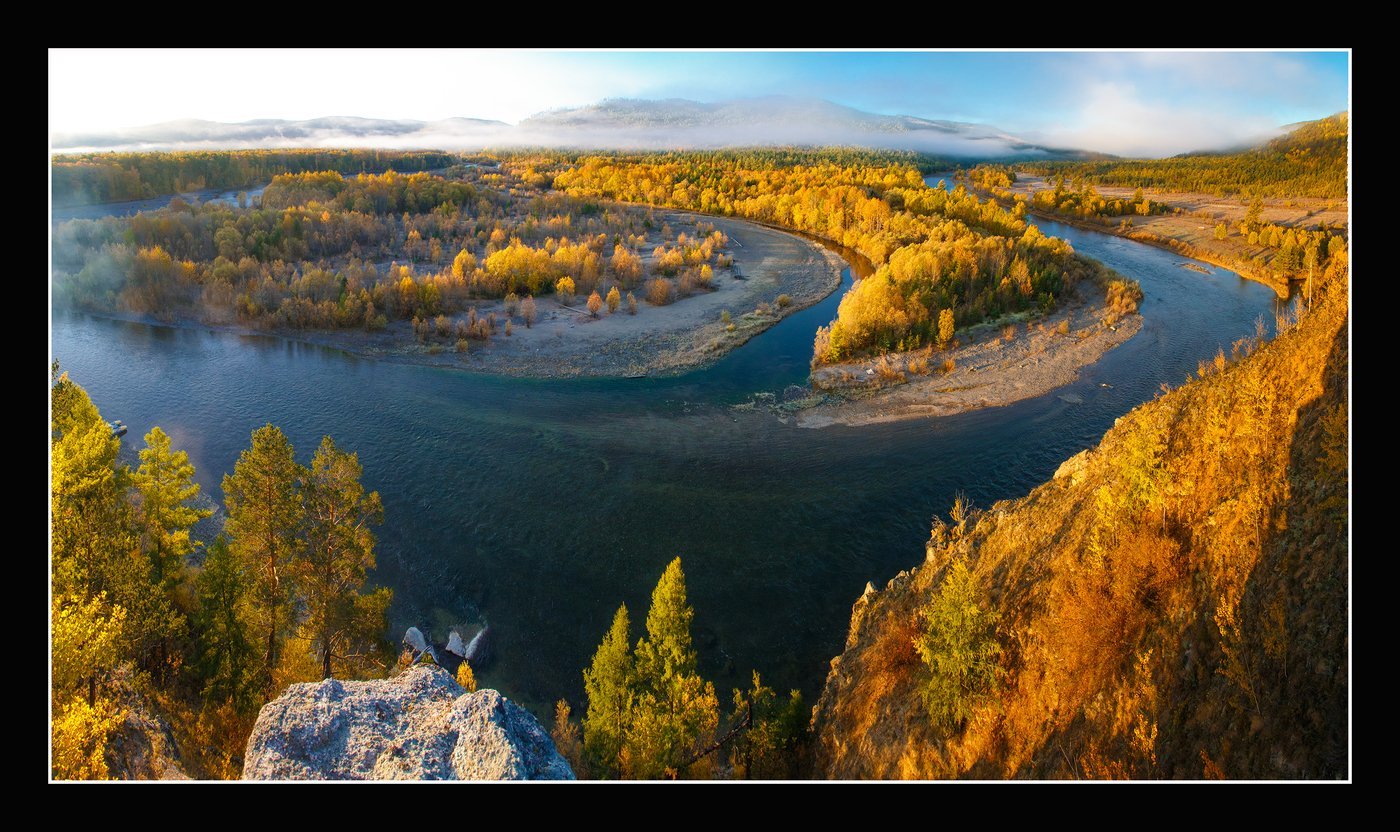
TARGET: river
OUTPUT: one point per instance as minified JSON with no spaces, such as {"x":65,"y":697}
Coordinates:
{"x":542,"y":505}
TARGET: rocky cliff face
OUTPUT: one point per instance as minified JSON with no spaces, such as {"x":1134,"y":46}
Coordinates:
{"x":1172,"y":604}
{"x":419,"y":725}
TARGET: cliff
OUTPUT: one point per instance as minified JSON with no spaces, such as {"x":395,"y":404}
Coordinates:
{"x":1172,"y":604}
{"x":419,"y":725}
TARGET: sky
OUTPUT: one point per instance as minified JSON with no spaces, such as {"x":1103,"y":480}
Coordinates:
{"x":1129,"y":103}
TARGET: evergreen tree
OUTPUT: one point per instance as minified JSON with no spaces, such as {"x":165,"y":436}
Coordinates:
{"x":959,"y":648}
{"x":608,"y":685}
{"x":265,"y":518}
{"x":339,"y":551}
{"x":85,"y":490}
{"x":165,"y":485}
{"x":228,"y":659}
{"x":676,"y":712}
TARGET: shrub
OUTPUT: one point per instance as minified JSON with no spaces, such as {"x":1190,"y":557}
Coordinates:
{"x":784,"y":301}
{"x":465,"y":677}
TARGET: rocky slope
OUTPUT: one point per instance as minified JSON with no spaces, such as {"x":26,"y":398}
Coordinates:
{"x":419,"y":725}
{"x":1173,"y":604}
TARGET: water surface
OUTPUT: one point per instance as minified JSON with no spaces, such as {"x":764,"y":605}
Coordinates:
{"x":542,"y":505}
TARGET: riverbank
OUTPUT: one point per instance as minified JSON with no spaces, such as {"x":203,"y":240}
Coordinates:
{"x":781,"y":274}
{"x":1159,"y":235}
{"x":996,"y":364}
{"x":1190,"y":229}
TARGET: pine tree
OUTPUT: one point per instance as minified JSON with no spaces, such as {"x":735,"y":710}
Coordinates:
{"x":959,"y":648}
{"x":676,"y":712}
{"x":607,"y":683}
{"x":86,"y":488}
{"x":165,"y":485}
{"x":265,"y":518}
{"x":339,"y":552}
{"x":227,"y":661}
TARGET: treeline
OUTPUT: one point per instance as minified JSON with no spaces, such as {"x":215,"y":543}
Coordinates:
{"x":1087,"y":202}
{"x":649,"y":715}
{"x":935,"y":250}
{"x":306,"y":258}
{"x":83,"y":179}
{"x":148,"y":619}
{"x":1311,"y":161}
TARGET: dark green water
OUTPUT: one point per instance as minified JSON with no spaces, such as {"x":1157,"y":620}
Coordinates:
{"x":543,"y":505}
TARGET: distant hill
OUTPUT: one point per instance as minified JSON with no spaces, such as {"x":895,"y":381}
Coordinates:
{"x":633,"y":124}
{"x":1309,"y":160}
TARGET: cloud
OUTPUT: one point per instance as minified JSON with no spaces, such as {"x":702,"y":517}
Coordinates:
{"x":1115,"y":118}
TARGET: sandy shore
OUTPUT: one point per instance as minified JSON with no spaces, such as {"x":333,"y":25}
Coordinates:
{"x":662,"y":340}
{"x":988,"y":370}
{"x":659,"y":340}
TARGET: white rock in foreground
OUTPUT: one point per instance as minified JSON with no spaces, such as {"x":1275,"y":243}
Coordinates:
{"x":419,"y":725}
{"x":454,"y":644}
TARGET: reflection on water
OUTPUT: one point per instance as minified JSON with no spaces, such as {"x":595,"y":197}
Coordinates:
{"x":542,"y":505}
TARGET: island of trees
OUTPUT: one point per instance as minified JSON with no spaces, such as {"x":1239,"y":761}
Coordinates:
{"x":938,"y":255}
{"x":411,"y":253}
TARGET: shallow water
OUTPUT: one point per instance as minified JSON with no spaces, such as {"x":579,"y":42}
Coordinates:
{"x":542,"y":505}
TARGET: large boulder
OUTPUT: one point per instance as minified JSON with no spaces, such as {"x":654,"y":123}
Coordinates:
{"x":419,"y":725}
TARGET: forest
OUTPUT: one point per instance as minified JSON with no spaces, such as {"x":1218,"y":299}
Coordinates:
{"x":326,"y":251}
{"x":936,"y":252}
{"x":89,"y":178}
{"x":168,"y":622}
{"x":1309,"y":161}
{"x":160,"y":618}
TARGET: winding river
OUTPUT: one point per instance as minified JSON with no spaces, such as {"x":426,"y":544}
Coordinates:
{"x":542,"y":505}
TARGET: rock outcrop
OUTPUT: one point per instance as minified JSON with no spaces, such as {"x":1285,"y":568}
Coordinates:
{"x":419,"y":725}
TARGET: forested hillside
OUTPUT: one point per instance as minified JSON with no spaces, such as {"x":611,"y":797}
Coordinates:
{"x":1173,"y":604}
{"x":1309,"y":161}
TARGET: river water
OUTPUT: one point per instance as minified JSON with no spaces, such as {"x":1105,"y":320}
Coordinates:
{"x":542,"y":505}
